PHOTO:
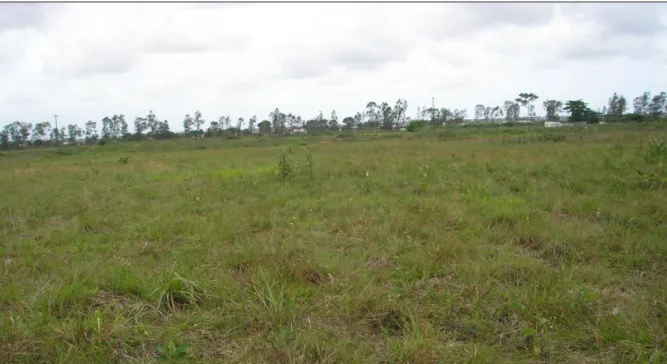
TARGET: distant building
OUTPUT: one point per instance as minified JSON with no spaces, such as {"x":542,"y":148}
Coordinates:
{"x":552,"y":124}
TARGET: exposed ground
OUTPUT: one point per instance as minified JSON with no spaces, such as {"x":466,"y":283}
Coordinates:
{"x":466,"y":245}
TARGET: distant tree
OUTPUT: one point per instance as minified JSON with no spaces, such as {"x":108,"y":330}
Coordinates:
{"x":119,"y":126}
{"x":553,"y":108}
{"x":373,"y":114}
{"x":41,"y":132}
{"x":512,"y":110}
{"x":617,"y":105}
{"x":580,"y":112}
{"x":57,"y":134}
{"x":460,"y":115}
{"x":348,"y":123}
{"x":251,"y":123}
{"x":213,"y":129}
{"x":4,"y":139}
{"x":163,"y":131}
{"x":264,"y":127}
{"x":526,"y":100}
{"x":333,"y":121}
{"x":139,"y":126}
{"x":400,"y":109}
{"x":490,"y":113}
{"x":107,"y":128}
{"x":73,"y":133}
{"x":197,"y":122}
{"x":658,"y":105}
{"x":358,"y":119}
{"x":278,"y":120}
{"x":641,"y":103}
{"x":386,"y":115}
{"x":239,"y":124}
{"x":152,"y":123}
{"x":91,"y":131}
{"x":188,"y":124}
{"x":482,"y":112}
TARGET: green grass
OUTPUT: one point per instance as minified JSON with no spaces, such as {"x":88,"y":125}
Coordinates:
{"x":494,"y":244}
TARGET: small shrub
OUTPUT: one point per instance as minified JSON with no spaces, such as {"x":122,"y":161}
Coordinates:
{"x":551,"y":138}
{"x":123,"y":160}
{"x":415,"y":125}
{"x":172,"y":352}
{"x":64,"y":151}
{"x":656,"y":151}
{"x":285,"y":167}
{"x":446,"y":134}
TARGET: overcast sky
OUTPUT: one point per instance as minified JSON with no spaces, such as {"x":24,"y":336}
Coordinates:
{"x":86,"y":61}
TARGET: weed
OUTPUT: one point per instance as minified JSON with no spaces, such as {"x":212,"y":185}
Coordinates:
{"x":64,"y":151}
{"x":656,"y":151}
{"x":172,"y":353}
{"x":286,"y":170}
{"x":178,"y":293}
{"x":123,"y":160}
{"x":310,"y":168}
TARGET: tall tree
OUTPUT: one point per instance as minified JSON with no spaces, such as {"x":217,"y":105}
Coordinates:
{"x":372,"y":114}
{"x":197,"y":122}
{"x":4,"y":139}
{"x":264,"y":127}
{"x":526,"y":100}
{"x":107,"y":128}
{"x":73,"y":133}
{"x":239,"y":124}
{"x":152,"y":123}
{"x":617,"y":105}
{"x":386,"y":114}
{"x":333,"y":121}
{"x":658,"y":104}
{"x":348,"y":123}
{"x":481,"y":112}
{"x":512,"y":110}
{"x":41,"y":132}
{"x":18,"y":133}
{"x":641,"y":103}
{"x":140,"y":126}
{"x":400,"y":109}
{"x":460,"y":115}
{"x":188,"y":124}
{"x":358,"y":119}
{"x":553,"y":109}
{"x":91,"y":131}
{"x":119,"y":126}
{"x":251,"y":123}
{"x":580,"y":112}
{"x":490,"y":113}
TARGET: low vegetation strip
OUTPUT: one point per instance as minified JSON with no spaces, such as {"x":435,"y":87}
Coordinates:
{"x":495,"y":244}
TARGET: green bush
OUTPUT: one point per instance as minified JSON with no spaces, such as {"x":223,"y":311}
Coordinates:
{"x":415,"y":125}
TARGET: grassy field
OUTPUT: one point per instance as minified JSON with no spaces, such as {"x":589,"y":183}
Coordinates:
{"x":463,"y":245}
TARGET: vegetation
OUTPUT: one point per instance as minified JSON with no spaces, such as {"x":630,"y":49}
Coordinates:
{"x":376,"y":116}
{"x":480,"y":243}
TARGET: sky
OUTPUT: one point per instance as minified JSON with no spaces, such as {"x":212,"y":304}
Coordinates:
{"x":88,"y":60}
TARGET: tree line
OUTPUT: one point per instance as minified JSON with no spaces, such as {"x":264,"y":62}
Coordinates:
{"x":375,"y":116}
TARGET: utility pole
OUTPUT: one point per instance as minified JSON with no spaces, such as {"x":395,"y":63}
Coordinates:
{"x":57,"y":130}
{"x":432,"y":108}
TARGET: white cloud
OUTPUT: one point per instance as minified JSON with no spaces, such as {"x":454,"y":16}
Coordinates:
{"x":86,"y":61}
